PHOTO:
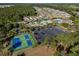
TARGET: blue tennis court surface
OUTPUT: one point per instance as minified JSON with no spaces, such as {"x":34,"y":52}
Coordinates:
{"x":27,"y":37}
{"x":29,"y":42}
{"x":16,"y":43}
{"x":15,"y":40}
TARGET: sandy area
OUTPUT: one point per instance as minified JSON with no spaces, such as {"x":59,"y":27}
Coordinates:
{"x":37,"y":51}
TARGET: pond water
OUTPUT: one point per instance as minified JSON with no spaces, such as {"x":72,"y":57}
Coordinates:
{"x":40,"y":34}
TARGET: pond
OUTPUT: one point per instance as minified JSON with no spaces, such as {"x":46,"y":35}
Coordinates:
{"x":40,"y":34}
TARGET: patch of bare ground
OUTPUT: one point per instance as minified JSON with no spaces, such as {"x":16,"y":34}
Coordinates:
{"x":1,"y":54}
{"x":39,"y":51}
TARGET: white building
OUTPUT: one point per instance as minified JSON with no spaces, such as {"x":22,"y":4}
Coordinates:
{"x":26,"y":19}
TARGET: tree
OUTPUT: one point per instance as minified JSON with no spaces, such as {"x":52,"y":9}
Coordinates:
{"x":65,"y":25}
{"x":66,"y":41}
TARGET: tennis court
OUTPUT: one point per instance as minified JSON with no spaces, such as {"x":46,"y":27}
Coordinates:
{"x":23,"y":41}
